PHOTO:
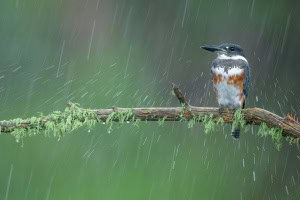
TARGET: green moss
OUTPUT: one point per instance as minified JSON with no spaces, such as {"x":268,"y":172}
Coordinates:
{"x":208,"y":122}
{"x":192,"y":122}
{"x":56,"y":124}
{"x":149,"y":111}
{"x":275,"y":133}
{"x":136,"y":122}
{"x":161,"y":121}
{"x":182,"y":115}
{"x":239,"y":120}
{"x":221,"y":121}
{"x":119,"y":115}
{"x":50,"y":128}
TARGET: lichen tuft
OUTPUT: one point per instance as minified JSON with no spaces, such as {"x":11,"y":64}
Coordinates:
{"x":275,"y":133}
{"x":208,"y":122}
{"x":239,"y":120}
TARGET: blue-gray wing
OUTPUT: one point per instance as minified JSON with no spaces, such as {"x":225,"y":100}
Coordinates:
{"x":246,"y":81}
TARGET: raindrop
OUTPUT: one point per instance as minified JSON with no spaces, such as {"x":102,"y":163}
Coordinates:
{"x":286,"y":189}
{"x":145,"y":141}
{"x":183,"y":18}
{"x":91,"y":39}
{"x":158,"y":138}
{"x":286,"y":32}
{"x":293,"y":180}
{"x":272,"y":181}
{"x":61,"y":54}
{"x":8,"y":183}
{"x":150,"y":148}
{"x":17,"y":68}
{"x":252,"y":7}
{"x":128,"y":58}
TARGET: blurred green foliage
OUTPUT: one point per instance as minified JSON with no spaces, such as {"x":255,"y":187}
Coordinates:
{"x":104,"y":53}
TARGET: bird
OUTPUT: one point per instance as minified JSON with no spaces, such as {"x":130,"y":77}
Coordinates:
{"x":230,"y":75}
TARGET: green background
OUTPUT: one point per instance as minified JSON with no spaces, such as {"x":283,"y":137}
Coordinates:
{"x":103,"y":53}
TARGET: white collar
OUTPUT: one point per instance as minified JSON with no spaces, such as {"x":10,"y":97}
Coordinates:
{"x":235,"y":57}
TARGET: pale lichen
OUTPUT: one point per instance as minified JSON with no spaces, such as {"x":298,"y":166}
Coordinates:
{"x":161,"y":121}
{"x":208,"y":122}
{"x":119,"y":115}
{"x":239,"y":121}
{"x":192,"y":122}
{"x":56,"y":124}
{"x":136,"y":122}
{"x":221,"y":121}
{"x":275,"y":133}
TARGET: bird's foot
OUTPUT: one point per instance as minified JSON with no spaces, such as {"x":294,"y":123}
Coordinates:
{"x":222,"y":109}
{"x":234,"y":110}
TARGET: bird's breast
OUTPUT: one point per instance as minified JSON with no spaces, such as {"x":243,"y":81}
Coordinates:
{"x":229,"y":85}
{"x":231,"y":75}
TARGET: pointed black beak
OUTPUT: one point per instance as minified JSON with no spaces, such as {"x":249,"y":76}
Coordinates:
{"x":212,"y":48}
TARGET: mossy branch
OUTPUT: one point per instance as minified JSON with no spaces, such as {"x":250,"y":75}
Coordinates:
{"x":59,"y":123}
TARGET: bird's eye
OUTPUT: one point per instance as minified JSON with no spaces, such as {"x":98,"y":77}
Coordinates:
{"x":231,"y":48}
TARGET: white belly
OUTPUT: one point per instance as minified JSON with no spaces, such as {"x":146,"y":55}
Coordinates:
{"x":228,"y":95}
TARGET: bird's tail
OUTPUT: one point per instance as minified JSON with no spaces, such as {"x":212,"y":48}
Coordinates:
{"x":236,"y":132}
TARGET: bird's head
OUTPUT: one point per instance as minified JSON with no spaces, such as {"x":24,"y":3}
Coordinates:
{"x":226,"y":48}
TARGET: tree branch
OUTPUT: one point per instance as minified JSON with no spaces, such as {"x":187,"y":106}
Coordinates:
{"x":74,"y":116}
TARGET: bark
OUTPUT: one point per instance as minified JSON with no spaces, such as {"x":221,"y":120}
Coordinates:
{"x":256,"y":116}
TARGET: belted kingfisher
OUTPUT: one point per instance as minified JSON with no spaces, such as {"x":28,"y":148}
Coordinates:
{"x":230,"y":74}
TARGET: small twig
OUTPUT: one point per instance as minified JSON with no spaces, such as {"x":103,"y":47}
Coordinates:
{"x":179,"y":95}
{"x":182,"y":100}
